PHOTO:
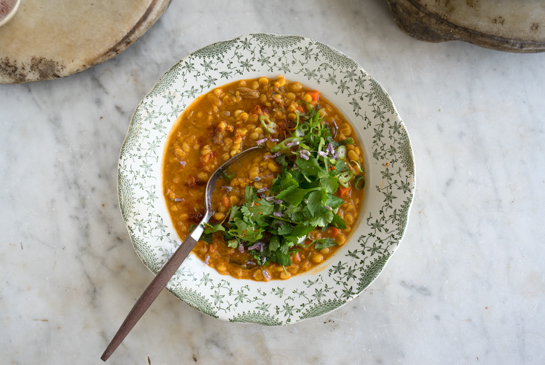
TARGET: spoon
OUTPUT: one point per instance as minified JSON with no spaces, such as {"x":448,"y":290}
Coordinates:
{"x":172,"y":265}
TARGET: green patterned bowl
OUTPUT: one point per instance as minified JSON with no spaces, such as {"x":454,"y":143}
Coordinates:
{"x":389,"y":169}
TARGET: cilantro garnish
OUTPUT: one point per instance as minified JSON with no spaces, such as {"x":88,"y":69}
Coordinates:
{"x":227,"y":177}
{"x":273,"y":227}
{"x":324,"y":243}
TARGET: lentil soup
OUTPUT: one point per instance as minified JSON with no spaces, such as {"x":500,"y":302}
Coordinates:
{"x":278,"y":212}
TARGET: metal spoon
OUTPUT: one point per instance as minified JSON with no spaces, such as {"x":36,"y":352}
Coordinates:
{"x":172,"y":265}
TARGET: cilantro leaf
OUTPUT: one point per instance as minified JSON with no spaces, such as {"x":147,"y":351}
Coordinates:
{"x":232,"y":243}
{"x":281,"y":160}
{"x":295,"y":213}
{"x":346,"y":141}
{"x":234,"y":211}
{"x":245,"y":231}
{"x":274,"y":243}
{"x":288,"y":181}
{"x":338,"y":222}
{"x":333,"y":201}
{"x":283,"y":258}
{"x":292,"y":209}
{"x":227,"y":177}
{"x":316,"y":201}
{"x":324,"y":243}
{"x":298,"y":232}
{"x":261,"y":210}
{"x":340,"y":166}
{"x":323,"y":219}
{"x":285,"y":229}
{"x":249,"y":195}
{"x":294,"y":195}
{"x":211,"y":228}
{"x":309,"y":167}
{"x":330,"y":183}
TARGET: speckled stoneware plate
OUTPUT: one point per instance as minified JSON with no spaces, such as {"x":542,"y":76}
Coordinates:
{"x":49,"y":39}
{"x":504,"y":25}
{"x":389,"y":170}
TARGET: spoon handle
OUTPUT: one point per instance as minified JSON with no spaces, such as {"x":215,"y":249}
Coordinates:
{"x":155,"y":287}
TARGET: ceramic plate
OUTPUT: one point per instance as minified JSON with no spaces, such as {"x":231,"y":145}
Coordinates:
{"x":389,"y":171}
{"x":56,"y":38}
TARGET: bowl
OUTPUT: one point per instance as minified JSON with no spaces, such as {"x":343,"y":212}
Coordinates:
{"x":389,"y":169}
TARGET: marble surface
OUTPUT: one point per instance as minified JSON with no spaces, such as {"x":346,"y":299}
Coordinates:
{"x":465,"y":286}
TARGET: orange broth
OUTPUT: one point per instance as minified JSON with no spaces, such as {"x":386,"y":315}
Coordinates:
{"x":219,"y":125}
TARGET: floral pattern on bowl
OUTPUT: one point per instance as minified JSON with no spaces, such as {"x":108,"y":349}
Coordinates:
{"x":389,"y":168}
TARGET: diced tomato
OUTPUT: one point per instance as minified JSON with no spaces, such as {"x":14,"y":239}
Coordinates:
{"x":333,"y":232}
{"x":299,"y":108}
{"x":212,"y":247}
{"x":344,"y":191}
{"x":225,"y":200}
{"x":314,"y":94}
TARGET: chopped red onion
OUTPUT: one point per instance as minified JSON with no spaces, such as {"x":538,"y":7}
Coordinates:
{"x":272,"y":156}
{"x":328,"y":207}
{"x":262,"y":190}
{"x":241,"y":248}
{"x":322,"y":153}
{"x":257,"y":246}
{"x":227,"y":188}
{"x":294,"y":143}
{"x":261,"y":141}
{"x":178,"y":200}
{"x":182,"y":163}
{"x":278,"y":214}
{"x":206,"y":260}
{"x":332,"y":151}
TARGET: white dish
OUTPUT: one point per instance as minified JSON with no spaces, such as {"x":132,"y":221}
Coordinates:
{"x":389,"y":171}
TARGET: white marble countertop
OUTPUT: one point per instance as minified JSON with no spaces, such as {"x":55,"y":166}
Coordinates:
{"x":465,"y":286}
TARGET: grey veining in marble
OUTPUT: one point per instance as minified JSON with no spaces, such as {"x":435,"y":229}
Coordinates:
{"x":466,"y":285}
